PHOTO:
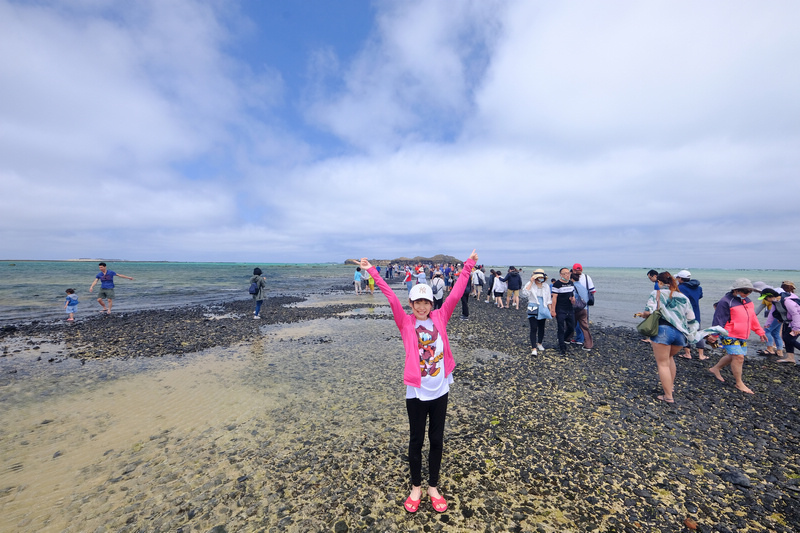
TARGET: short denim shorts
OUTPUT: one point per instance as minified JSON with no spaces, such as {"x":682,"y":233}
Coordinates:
{"x":669,"y":335}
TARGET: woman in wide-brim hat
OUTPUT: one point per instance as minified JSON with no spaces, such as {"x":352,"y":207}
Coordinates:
{"x":736,"y":313}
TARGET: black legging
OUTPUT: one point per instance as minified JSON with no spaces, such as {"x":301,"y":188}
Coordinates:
{"x":465,"y":302}
{"x":537,"y":328}
{"x":420,"y":412}
{"x":789,"y":340}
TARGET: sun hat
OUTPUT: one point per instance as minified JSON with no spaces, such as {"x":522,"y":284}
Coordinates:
{"x":760,"y":286}
{"x":539,"y":273}
{"x":742,"y":283}
{"x":420,"y":292}
{"x":685,"y":274}
{"x":789,"y":284}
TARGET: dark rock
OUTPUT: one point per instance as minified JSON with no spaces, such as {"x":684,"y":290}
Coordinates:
{"x":736,"y":477}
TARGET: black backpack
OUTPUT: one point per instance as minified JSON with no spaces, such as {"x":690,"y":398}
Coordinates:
{"x":779,"y":311}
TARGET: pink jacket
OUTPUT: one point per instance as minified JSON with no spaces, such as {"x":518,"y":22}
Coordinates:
{"x":737,"y":316}
{"x":406,"y":322}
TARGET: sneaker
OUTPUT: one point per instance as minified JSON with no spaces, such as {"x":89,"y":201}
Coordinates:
{"x":534,"y":352}
{"x":256,"y":317}
{"x":539,"y":347}
{"x":464,"y":317}
{"x":585,"y":349}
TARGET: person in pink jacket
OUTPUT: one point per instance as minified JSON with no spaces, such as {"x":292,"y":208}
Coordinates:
{"x":736,"y":313}
{"x":428,"y":374}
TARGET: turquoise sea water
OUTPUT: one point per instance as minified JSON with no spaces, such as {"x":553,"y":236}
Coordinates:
{"x":35,"y":289}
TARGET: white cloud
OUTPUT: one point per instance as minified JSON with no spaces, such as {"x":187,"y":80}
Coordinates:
{"x":587,"y":73}
{"x":413,"y":79}
{"x":626,"y":132}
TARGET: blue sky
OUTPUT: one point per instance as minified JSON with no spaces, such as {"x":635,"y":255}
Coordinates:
{"x":613,"y":133}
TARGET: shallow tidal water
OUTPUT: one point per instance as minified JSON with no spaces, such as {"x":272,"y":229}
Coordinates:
{"x":158,"y":445}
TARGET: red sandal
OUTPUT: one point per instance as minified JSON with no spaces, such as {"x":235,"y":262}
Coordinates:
{"x":411,"y":505}
{"x":438,"y":502}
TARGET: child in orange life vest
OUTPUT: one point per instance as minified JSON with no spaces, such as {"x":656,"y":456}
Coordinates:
{"x":428,"y":374}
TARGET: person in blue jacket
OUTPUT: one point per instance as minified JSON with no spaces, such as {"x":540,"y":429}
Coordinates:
{"x":691,"y":289}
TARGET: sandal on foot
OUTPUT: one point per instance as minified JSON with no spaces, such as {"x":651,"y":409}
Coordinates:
{"x":437,"y":502}
{"x":411,"y":505}
{"x":665,"y":400}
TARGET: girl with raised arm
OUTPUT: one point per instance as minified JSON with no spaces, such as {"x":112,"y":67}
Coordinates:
{"x":428,"y":374}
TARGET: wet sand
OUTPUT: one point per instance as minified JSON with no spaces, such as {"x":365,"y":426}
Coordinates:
{"x":297,"y":423}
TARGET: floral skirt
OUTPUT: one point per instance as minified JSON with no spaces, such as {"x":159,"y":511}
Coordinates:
{"x":733,"y":346}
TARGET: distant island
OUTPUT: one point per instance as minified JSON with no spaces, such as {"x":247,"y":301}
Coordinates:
{"x":439,"y":259}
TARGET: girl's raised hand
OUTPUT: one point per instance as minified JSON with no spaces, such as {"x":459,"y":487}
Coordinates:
{"x":365,"y":263}
{"x":474,"y":255}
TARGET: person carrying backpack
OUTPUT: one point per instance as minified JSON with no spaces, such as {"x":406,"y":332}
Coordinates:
{"x":258,"y":289}
{"x":791,"y":321}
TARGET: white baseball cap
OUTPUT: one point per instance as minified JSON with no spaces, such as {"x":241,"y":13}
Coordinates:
{"x":420,"y":291}
{"x":685,"y":274}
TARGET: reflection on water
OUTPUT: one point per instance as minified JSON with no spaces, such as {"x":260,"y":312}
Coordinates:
{"x":156,"y":444}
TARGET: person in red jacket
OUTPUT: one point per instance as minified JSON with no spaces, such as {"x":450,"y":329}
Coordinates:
{"x":736,"y":313}
{"x":428,"y":374}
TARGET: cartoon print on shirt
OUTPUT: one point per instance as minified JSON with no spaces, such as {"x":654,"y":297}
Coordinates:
{"x":428,"y":360}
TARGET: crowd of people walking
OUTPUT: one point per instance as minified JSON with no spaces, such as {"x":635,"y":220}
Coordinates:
{"x":671,"y":311}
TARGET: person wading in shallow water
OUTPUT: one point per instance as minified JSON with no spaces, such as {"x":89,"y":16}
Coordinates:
{"x":106,"y":278}
{"x":428,"y":374}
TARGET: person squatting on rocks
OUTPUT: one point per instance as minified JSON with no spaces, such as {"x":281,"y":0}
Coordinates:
{"x":561,"y":308}
{"x":428,"y":373}
{"x":676,"y":328}
{"x":538,"y":292}
{"x":736,"y":313}
{"x":106,"y":278}
{"x":261,"y":290}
